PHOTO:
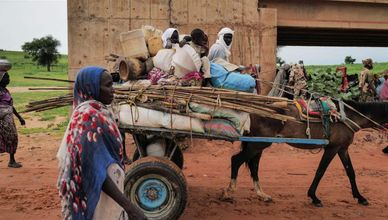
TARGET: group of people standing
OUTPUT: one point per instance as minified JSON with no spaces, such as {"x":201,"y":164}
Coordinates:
{"x":290,"y":81}
{"x":372,"y":87}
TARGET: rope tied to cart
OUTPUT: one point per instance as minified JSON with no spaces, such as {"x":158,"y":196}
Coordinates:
{"x":131,"y":101}
{"x":187,"y":111}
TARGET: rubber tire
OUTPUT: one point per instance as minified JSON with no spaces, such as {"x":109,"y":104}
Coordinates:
{"x":166,"y":169}
{"x":177,"y":158}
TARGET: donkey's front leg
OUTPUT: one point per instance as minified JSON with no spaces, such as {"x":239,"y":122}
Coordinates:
{"x":327,"y":157}
{"x":253,"y":165}
{"x":236,"y":161}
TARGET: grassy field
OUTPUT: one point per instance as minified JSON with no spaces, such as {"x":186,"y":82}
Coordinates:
{"x":23,"y":66}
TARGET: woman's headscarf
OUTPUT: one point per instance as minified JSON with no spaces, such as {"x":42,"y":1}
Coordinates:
{"x":220,"y":49}
{"x":92,"y":143}
{"x":87,"y":84}
{"x":167,"y":35}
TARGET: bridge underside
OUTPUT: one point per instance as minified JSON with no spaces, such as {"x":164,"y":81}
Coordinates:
{"x":362,"y":23}
{"x":297,"y":36}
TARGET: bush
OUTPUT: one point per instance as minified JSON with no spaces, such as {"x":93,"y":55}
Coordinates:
{"x":328,"y":83}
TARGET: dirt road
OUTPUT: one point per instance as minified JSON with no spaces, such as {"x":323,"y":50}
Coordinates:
{"x":286,"y":173}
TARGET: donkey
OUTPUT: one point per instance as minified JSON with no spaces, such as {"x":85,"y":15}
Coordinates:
{"x":339,"y":141}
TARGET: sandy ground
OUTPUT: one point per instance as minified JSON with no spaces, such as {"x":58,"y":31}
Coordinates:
{"x":286,"y":173}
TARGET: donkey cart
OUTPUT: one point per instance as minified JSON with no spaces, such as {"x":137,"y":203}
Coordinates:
{"x":155,"y":181}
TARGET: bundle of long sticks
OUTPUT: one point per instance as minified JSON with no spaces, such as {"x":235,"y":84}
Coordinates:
{"x":176,"y":99}
{"x":48,"y":104}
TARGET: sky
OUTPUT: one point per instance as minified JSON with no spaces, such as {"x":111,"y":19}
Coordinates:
{"x":23,"y":20}
{"x":331,"y":55}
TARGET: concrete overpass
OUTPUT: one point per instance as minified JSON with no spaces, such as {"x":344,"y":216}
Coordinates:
{"x":331,"y":22}
{"x":260,"y":25}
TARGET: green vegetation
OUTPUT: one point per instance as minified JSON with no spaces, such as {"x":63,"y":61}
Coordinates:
{"x":328,"y":83}
{"x":325,"y":80}
{"x":23,"y":66}
{"x":378,"y":68}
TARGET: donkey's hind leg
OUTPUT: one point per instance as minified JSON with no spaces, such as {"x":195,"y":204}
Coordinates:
{"x":253,"y":165}
{"x":345,"y":159}
{"x":327,"y":157}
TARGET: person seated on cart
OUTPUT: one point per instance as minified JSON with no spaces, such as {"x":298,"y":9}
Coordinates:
{"x":170,"y":37}
{"x":91,"y":174}
{"x":198,"y":40}
{"x":221,"y":48}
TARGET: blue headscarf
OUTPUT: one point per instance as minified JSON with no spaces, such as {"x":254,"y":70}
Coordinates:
{"x":90,"y":145}
{"x":87,"y":84}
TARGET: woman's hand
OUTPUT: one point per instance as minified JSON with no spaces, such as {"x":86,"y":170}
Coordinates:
{"x":22,"y":121}
{"x":134,"y":213}
{"x":110,"y":188}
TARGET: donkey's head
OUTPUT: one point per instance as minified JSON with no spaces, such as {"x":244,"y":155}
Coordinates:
{"x":376,"y":111}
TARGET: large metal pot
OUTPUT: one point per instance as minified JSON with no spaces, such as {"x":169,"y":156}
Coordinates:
{"x":5,"y":65}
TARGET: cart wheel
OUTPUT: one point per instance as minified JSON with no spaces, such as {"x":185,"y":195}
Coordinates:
{"x":177,"y":158}
{"x":157,"y":186}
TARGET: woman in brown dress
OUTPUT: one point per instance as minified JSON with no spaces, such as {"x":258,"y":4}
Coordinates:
{"x":8,"y":132}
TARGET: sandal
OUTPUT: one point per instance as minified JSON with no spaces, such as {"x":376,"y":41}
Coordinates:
{"x":14,"y":165}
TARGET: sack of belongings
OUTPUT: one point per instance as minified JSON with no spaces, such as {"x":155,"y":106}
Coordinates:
{"x":221,"y":78}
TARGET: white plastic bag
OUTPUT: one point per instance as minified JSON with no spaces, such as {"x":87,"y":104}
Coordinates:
{"x":163,"y":59}
{"x":184,"y":123}
{"x":139,"y":116}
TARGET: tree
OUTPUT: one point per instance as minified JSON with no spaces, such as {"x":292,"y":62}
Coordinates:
{"x":349,"y":60}
{"x":43,"y":51}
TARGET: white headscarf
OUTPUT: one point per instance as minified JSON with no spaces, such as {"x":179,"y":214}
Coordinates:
{"x":221,"y":34}
{"x":167,"y":35}
{"x":220,"y":49}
